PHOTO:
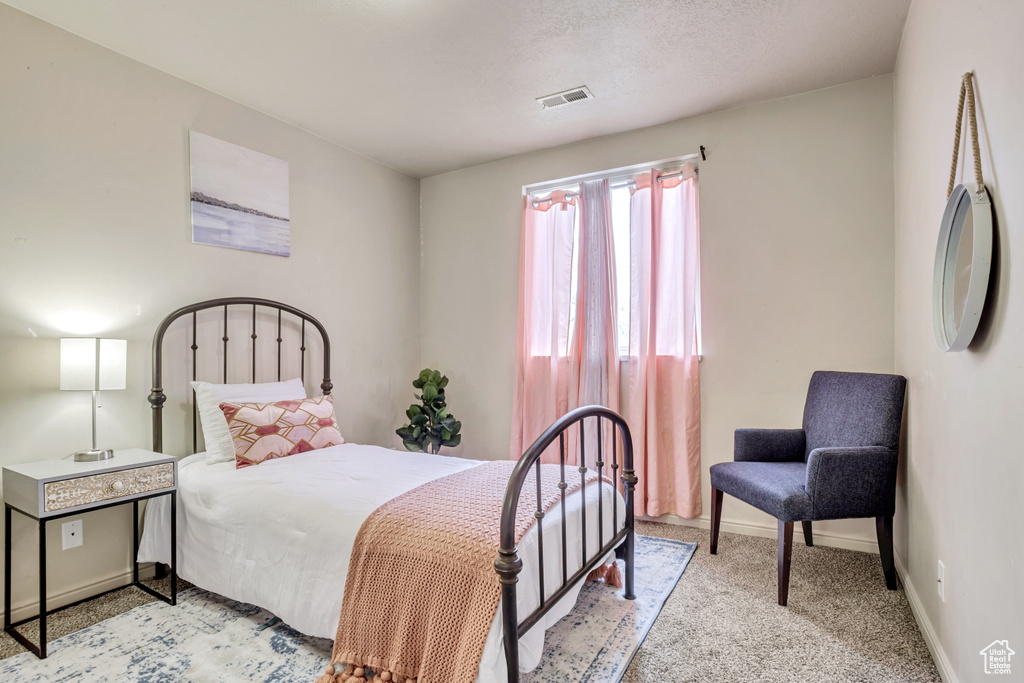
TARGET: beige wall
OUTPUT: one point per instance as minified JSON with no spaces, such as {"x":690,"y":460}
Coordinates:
{"x":961,"y":496}
{"x":797,"y":206}
{"x":94,"y":222}
{"x":796,"y":201}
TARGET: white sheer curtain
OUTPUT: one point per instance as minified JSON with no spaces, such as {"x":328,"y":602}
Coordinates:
{"x":593,"y":351}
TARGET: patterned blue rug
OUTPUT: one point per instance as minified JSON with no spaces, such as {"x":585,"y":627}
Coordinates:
{"x":208,"y":638}
{"x":596,"y":641}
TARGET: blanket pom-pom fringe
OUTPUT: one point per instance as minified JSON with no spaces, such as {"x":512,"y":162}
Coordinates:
{"x":389,"y":677}
{"x":360,"y":674}
{"x":614,"y":576}
{"x":609,"y":573}
{"x":328,"y":675}
{"x":342,"y":673}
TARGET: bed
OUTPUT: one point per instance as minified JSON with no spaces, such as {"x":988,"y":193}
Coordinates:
{"x":279,"y":535}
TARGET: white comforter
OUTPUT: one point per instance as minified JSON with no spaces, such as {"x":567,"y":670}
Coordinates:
{"x":279,"y":535}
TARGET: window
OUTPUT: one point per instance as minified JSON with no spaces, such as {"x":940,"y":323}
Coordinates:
{"x":620,"y":209}
{"x":631,"y":237}
{"x":620,"y":236}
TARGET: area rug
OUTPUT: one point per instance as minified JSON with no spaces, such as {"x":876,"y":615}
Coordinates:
{"x":596,"y":641}
{"x":208,"y":638}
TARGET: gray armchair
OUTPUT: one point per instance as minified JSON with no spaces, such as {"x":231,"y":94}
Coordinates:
{"x":842,"y":464}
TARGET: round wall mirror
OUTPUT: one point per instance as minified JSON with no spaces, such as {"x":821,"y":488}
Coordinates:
{"x":963,"y":257}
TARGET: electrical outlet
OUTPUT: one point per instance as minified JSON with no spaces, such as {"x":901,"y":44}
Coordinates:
{"x":71,"y":534}
{"x":942,"y":581}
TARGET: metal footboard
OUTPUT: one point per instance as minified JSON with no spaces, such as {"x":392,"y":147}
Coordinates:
{"x":508,"y":565}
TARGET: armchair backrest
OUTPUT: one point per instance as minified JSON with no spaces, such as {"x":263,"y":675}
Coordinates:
{"x":853,"y":409}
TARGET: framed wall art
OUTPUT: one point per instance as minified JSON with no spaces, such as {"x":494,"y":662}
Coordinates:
{"x":239,"y":197}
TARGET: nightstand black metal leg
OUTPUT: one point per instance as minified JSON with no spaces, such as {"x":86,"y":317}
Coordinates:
{"x":7,"y":567}
{"x":11,"y":627}
{"x":135,"y":541}
{"x":174,"y":547}
{"x":42,"y":589}
{"x":173,"y":598}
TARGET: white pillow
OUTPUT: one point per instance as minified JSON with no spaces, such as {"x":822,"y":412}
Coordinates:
{"x":215,"y":426}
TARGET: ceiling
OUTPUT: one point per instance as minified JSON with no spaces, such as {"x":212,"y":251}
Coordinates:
{"x":427,"y":86}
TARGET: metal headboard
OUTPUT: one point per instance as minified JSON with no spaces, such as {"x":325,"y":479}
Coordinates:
{"x":157,"y":398}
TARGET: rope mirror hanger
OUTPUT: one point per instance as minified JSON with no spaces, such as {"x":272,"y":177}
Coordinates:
{"x":963,"y":255}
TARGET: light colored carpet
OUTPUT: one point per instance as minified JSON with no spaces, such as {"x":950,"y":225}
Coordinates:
{"x":722,"y":623}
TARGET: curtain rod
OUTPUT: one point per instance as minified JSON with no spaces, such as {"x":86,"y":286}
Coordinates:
{"x":617,"y":174}
{"x":616,"y":186}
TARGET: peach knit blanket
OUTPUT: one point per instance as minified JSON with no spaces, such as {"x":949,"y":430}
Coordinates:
{"x":421,"y":591}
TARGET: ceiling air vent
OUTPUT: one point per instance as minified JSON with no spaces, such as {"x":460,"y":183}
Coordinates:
{"x":566,"y":97}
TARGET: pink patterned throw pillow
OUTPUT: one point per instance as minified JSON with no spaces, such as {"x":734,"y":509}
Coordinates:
{"x":263,"y":431}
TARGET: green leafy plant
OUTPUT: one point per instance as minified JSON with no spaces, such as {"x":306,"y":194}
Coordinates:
{"x":430,"y":424}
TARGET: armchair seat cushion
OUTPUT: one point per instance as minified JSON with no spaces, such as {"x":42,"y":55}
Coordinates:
{"x":778,"y":488}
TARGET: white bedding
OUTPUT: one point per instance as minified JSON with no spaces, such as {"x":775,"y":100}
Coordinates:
{"x":279,"y":535}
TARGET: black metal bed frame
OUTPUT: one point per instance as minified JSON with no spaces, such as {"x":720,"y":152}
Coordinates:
{"x":508,"y":564}
{"x":157,"y":398}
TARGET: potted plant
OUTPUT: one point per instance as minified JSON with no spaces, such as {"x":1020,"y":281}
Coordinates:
{"x":430,"y":423}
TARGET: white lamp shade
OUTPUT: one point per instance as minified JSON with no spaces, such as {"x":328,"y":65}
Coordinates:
{"x":93,"y":364}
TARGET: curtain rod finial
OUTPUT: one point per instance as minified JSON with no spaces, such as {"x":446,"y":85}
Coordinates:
{"x":703,"y":156}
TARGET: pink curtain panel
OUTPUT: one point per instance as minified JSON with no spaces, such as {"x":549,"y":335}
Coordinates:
{"x":555,"y":374}
{"x":545,"y":278}
{"x":664,"y":375}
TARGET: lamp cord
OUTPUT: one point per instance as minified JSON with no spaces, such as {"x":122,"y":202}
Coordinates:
{"x":95,"y":407}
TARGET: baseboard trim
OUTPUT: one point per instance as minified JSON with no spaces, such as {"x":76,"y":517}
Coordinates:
{"x":765,"y":531}
{"x":931,"y":639}
{"x":26,"y":609}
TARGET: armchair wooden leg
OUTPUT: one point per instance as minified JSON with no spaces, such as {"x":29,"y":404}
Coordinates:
{"x":808,"y":536}
{"x":883,"y":528}
{"x":785,"y":554}
{"x":716,"y":518}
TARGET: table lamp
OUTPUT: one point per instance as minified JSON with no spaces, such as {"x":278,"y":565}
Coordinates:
{"x":93,"y":365}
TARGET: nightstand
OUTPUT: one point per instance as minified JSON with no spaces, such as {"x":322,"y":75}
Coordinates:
{"x":53,"y":489}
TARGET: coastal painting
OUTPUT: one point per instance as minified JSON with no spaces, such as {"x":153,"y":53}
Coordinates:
{"x":239,"y":197}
